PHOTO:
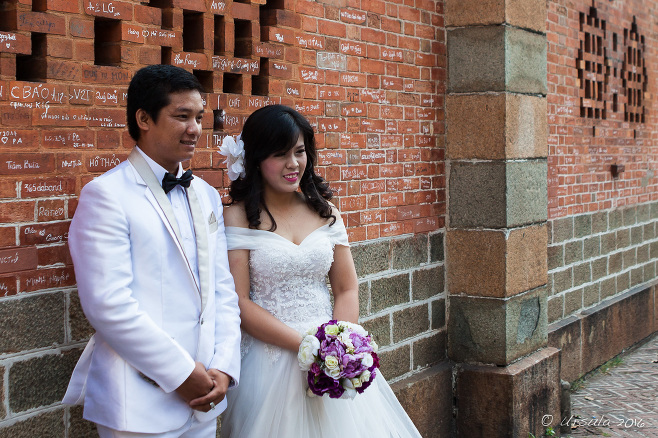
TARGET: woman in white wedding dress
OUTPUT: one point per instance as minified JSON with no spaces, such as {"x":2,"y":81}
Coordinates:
{"x":284,"y":238}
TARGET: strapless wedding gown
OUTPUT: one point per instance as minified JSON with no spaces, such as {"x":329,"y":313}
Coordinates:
{"x":289,"y":281}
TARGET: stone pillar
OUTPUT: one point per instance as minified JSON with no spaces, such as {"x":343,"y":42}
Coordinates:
{"x":507,"y":379}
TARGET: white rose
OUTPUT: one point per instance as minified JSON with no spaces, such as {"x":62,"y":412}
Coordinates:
{"x":308,"y":350}
{"x":334,"y":373}
{"x":365,"y":376}
{"x":344,"y":337}
{"x":367,"y":360}
{"x":356,"y":328}
{"x":331,"y":330}
{"x":374,"y":345}
{"x":331,"y":362}
{"x":356,"y":382}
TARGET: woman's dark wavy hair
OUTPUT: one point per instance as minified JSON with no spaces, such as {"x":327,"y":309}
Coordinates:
{"x":268,"y":130}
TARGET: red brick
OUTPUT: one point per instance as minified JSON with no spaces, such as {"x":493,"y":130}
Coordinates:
{"x":148,"y":15}
{"x":69,"y":6}
{"x":8,"y":285}
{"x":46,"y":279}
{"x":82,"y":28}
{"x":50,"y":210}
{"x":41,"y":22}
{"x":114,"y":9}
{"x":103,"y":162}
{"x":26,"y":163}
{"x":44,"y":234}
{"x":18,"y":259}
{"x":7,"y":237}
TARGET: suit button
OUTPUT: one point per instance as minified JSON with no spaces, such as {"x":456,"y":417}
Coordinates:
{"x":201,"y":321}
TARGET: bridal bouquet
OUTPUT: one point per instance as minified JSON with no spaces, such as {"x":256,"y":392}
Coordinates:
{"x":340,"y":358}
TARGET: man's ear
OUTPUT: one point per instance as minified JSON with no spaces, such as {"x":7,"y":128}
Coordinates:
{"x":144,"y":121}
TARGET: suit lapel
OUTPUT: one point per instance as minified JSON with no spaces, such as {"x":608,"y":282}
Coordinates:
{"x":165,"y":211}
{"x":201,"y":243}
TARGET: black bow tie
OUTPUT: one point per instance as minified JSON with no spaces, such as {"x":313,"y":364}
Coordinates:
{"x":169,"y":181}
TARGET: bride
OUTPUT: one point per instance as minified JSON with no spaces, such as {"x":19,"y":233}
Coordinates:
{"x":284,"y":239}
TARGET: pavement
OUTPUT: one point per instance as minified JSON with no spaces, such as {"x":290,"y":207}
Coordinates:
{"x":619,"y":400}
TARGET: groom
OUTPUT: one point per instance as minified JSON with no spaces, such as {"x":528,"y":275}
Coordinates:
{"x":149,"y":252}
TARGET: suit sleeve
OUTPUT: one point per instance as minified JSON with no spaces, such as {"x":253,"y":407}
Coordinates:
{"x":227,"y":319}
{"x":99,"y":241}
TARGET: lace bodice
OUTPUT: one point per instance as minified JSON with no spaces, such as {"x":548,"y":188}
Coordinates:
{"x":289,"y":280}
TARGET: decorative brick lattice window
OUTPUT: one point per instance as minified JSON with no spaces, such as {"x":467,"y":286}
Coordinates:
{"x":634,"y":75}
{"x":593,"y":66}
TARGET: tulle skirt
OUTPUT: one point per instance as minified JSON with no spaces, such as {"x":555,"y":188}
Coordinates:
{"x":271,"y":402}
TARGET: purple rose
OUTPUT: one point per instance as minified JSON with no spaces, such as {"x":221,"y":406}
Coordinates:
{"x":352,"y":366}
{"x":331,"y":348}
{"x":361,"y":343}
{"x":323,"y":384}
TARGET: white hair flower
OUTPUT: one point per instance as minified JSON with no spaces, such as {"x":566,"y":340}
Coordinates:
{"x":233,"y":150}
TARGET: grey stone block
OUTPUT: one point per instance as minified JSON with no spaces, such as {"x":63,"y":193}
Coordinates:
{"x":608,"y":242}
{"x":649,"y":271}
{"x":410,"y":322}
{"x":527,"y":198}
{"x":476,"y":59}
{"x":396,"y":362}
{"x":364,"y":298}
{"x":496,"y":330}
{"x":562,"y":280}
{"x":582,"y":225}
{"x":649,"y":231}
{"x":562,"y":229}
{"x":615,"y":263}
{"x":573,"y":252}
{"x":496,"y":58}
{"x":623,"y":282}
{"x":79,"y":427}
{"x":380,"y":329}
{"x":629,"y":216}
{"x":436,"y":248}
{"x":637,"y":276}
{"x":614,"y":219}
{"x":654,"y":210}
{"x":387,"y":292}
{"x":653,"y":250}
{"x":582,"y":274}
{"x":370,"y":258}
{"x":80,"y":327}
{"x":21,"y":330}
{"x":497,"y":194}
{"x":643,"y":213}
{"x":623,"y":238}
{"x":600,"y":222}
{"x":438,"y":314}
{"x":573,"y":301}
{"x":591,"y":294}
{"x":599,"y":268}
{"x":608,"y":288}
{"x":46,"y":425}
{"x":642,"y":254}
{"x":555,"y":308}
{"x":40,"y":381}
{"x":426,"y":283}
{"x":429,"y":351}
{"x":409,"y":252}
{"x":637,"y":235}
{"x":3,"y":411}
{"x":555,"y":257}
{"x":629,"y":258}
{"x":591,"y":247}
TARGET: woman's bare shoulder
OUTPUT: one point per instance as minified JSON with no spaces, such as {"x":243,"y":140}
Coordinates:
{"x":235,"y":216}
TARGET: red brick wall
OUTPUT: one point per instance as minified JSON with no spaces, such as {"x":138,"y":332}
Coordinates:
{"x":594,"y":122}
{"x":370,"y":75}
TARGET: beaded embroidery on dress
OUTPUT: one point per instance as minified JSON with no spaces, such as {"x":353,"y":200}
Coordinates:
{"x":289,"y":281}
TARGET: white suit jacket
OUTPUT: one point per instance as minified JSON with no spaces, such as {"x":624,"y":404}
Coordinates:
{"x":137,"y":290}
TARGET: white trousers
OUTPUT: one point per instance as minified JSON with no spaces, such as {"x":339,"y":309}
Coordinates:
{"x":191,"y":429}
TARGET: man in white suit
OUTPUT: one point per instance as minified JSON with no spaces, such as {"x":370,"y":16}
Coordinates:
{"x":149,"y":252}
